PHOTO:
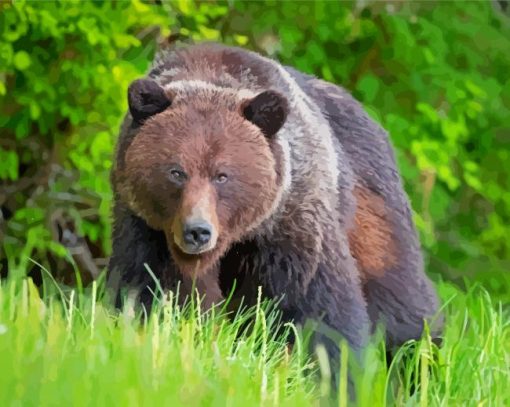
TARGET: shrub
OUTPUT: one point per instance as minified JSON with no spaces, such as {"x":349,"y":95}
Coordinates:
{"x":434,"y":74}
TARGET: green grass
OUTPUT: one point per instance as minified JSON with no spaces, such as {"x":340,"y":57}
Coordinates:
{"x":70,"y":349}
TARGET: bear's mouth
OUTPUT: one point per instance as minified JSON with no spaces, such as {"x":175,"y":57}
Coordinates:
{"x":193,"y":264}
{"x":187,"y":255}
{"x":190,"y":250}
{"x":184,"y":257}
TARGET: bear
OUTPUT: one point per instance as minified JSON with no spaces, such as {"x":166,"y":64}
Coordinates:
{"x":231,"y":167}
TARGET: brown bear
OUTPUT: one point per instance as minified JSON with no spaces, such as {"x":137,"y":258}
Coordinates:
{"x":232,"y":166}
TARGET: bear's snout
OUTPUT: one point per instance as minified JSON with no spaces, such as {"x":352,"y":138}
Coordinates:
{"x":195,"y":227}
{"x":197,"y":234}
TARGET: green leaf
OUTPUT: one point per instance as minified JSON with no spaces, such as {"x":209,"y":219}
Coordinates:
{"x":22,"y":60}
{"x":8,"y":165}
{"x":368,"y":86}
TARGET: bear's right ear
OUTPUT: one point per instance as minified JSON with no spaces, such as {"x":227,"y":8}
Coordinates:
{"x":146,"y":98}
{"x":268,"y":111}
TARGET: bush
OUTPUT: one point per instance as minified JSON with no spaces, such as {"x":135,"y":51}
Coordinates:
{"x":434,"y":74}
{"x":67,"y":65}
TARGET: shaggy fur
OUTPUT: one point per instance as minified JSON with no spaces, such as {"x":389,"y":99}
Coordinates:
{"x":313,"y":209}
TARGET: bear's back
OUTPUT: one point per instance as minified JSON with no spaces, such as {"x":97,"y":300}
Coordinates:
{"x":217,"y":65}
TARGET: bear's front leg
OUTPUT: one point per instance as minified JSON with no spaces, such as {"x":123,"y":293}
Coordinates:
{"x":320,"y":286}
{"x":326,"y":292}
{"x":135,"y":245}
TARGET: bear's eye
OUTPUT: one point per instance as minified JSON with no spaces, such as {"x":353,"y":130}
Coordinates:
{"x":177,"y":175}
{"x":221,"y":178}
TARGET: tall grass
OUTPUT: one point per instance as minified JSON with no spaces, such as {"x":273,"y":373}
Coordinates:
{"x":68,"y":348}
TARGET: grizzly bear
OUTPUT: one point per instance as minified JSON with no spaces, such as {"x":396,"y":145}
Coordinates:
{"x":230,"y":166}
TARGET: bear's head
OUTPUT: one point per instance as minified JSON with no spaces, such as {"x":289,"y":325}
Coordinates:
{"x":202,"y":165}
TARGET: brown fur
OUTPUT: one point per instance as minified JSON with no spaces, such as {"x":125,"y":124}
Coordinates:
{"x":371,"y":237}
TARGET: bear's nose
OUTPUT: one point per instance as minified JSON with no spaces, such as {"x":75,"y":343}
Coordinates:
{"x":197,"y":234}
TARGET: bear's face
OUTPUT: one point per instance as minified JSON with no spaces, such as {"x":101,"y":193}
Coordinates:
{"x":204,"y":169}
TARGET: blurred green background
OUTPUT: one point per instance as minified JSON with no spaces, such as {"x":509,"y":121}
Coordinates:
{"x":436,"y":75}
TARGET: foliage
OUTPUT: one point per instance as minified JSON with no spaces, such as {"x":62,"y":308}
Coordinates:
{"x":435,"y":74}
{"x":66,"y":67}
{"x":67,"y":348}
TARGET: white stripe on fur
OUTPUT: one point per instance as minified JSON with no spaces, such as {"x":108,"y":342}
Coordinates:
{"x":186,"y":85}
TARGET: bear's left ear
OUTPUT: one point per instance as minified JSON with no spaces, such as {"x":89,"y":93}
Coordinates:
{"x":146,"y":98}
{"x":268,"y":111}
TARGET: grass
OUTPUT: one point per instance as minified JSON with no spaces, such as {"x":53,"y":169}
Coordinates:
{"x":71,"y":349}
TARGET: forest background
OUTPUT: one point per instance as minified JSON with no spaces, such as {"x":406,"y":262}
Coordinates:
{"x":434,"y":74}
